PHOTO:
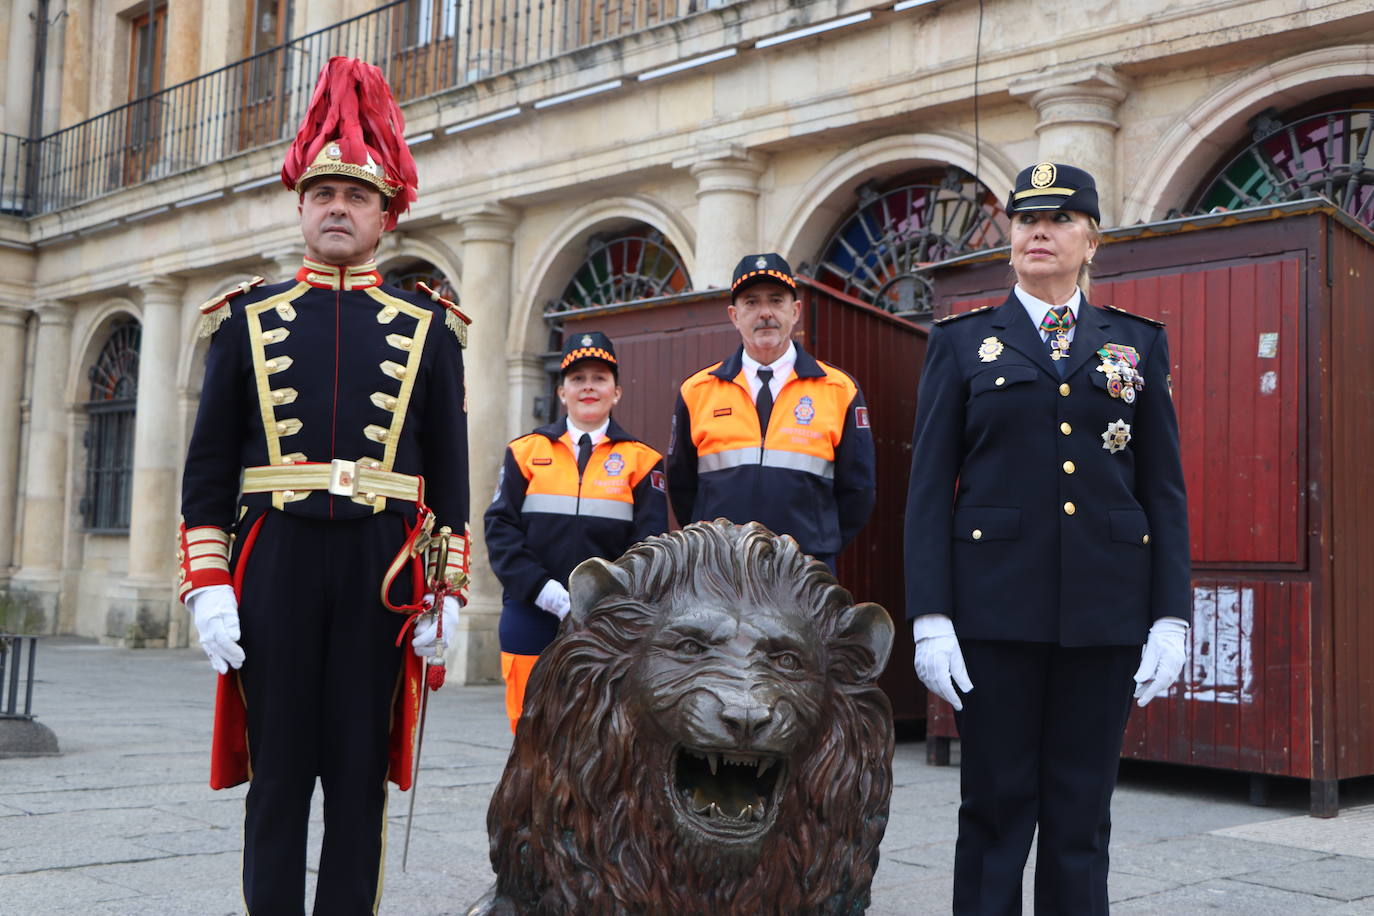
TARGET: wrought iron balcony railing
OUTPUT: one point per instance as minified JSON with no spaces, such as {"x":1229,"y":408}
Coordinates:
{"x":423,"y":46}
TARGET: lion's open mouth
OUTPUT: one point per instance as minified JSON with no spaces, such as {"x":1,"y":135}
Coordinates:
{"x":730,"y":796}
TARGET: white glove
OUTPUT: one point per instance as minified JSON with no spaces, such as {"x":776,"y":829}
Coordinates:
{"x":939,"y":663}
{"x":423,"y":642}
{"x":553,"y":597}
{"x":215,"y":609}
{"x":1162,"y":660}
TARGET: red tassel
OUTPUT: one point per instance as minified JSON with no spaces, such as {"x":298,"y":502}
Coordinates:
{"x":434,"y":676}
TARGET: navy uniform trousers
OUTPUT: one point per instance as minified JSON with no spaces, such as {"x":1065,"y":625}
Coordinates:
{"x":319,"y":679}
{"x":1040,"y":740}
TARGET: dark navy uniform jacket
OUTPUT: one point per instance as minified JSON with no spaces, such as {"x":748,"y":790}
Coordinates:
{"x":329,"y":365}
{"x":810,"y":474}
{"x":546,"y":518}
{"x":1022,"y":524}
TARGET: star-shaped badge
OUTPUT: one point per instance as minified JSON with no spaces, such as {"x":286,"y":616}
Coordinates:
{"x":1116,"y":436}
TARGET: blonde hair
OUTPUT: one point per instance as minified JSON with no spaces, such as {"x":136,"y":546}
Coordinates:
{"x":1084,"y":269}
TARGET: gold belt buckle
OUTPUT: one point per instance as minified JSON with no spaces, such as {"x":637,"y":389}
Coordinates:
{"x":343,"y":477}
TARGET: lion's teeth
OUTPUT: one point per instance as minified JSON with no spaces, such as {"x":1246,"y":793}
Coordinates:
{"x":764,"y":764}
{"x":713,"y":761}
{"x":747,"y":813}
{"x":715,"y":811}
{"x":756,"y":811}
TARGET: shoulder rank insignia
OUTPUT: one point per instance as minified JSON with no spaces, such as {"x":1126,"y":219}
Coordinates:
{"x":1112,"y":308}
{"x":214,"y":311}
{"x":454,"y":319}
{"x":957,"y":315}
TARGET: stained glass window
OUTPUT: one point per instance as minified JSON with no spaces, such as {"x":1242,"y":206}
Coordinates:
{"x":636,"y":264}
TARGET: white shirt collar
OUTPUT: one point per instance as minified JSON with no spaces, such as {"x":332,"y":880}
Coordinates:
{"x":597,"y":434}
{"x":1037,"y":309}
{"x":782,"y":368}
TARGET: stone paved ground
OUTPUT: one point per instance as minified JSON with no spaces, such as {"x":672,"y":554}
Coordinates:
{"x":124,"y":823}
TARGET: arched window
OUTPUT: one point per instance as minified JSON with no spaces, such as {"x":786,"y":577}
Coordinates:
{"x":903,"y":225}
{"x":638,"y":263}
{"x":110,"y":431}
{"x":406,"y":275}
{"x":1323,"y":148}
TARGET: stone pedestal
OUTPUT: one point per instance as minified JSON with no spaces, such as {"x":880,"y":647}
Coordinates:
{"x":727,"y":212}
{"x":484,"y":294}
{"x":45,"y":473}
{"x":1078,"y":125}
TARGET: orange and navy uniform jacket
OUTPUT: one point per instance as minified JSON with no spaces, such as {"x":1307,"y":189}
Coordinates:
{"x":545,"y":519}
{"x":812,"y":476}
{"x":329,"y":365}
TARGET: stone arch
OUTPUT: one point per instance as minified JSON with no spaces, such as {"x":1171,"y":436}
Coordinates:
{"x":398,"y":247}
{"x":191,"y":359}
{"x":1193,"y":146}
{"x":828,"y":197}
{"x":556,"y":259}
{"x":97,"y":330}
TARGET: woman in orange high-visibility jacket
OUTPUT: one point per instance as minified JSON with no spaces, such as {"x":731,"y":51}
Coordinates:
{"x":580,"y":487}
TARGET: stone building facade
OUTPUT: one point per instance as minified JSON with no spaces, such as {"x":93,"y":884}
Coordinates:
{"x":690,"y":129}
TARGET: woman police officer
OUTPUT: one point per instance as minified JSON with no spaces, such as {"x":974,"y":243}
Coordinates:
{"x":580,"y":487}
{"x":1046,"y":540}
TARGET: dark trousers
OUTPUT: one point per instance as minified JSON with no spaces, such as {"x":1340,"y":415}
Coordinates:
{"x":1040,"y":741}
{"x":319,"y":678}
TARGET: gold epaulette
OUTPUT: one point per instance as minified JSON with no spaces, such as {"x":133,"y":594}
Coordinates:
{"x":956,"y":316}
{"x":1153,"y":321}
{"x":454,"y":319}
{"x":214,"y":311}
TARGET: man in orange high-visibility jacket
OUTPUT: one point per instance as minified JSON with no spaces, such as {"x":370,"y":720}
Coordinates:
{"x":772,"y":434}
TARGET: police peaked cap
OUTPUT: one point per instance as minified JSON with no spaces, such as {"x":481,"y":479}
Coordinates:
{"x":582,"y":345}
{"x":756,"y":268}
{"x":1052,"y":186}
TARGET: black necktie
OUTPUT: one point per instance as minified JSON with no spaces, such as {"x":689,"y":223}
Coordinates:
{"x":765,"y":399}
{"x":584,"y":452}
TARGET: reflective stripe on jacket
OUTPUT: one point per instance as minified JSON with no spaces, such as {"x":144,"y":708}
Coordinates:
{"x":545,"y":519}
{"x":812,"y":476}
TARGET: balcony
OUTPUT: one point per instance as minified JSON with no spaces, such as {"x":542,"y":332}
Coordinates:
{"x":423,"y":46}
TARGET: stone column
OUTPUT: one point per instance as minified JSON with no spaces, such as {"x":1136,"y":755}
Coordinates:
{"x":141,"y":609}
{"x":45,"y":471}
{"x":1078,"y":125}
{"x":727,"y":212}
{"x":282,"y":263}
{"x":13,"y":321}
{"x":485,"y":296}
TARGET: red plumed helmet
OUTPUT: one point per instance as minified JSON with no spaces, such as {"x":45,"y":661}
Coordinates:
{"x":354,"y":128}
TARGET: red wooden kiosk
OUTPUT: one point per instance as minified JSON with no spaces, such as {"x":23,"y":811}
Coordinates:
{"x":1270,"y":319}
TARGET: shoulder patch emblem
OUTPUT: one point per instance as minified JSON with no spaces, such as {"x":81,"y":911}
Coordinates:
{"x":861,"y":417}
{"x":214,"y":311}
{"x":656,"y":481}
{"x":956,"y":316}
{"x":454,"y":319}
{"x":1155,"y":322}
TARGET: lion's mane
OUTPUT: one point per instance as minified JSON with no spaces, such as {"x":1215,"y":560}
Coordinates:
{"x":570,"y":833}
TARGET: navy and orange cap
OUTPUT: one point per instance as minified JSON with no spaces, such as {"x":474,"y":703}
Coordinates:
{"x":582,"y":345}
{"x":1052,"y":186}
{"x":756,"y":268}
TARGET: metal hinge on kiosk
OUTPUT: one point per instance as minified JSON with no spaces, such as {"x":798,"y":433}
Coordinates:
{"x":343,"y":477}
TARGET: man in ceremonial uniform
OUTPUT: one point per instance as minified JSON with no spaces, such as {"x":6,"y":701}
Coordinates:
{"x":773,"y":434}
{"x":330,"y":444}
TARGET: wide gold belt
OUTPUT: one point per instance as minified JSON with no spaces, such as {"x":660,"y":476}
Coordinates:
{"x":340,"y":477}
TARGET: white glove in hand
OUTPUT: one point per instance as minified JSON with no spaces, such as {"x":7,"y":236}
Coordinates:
{"x":215,"y":610}
{"x":1162,"y":660}
{"x":939,"y":663}
{"x":553,"y":597}
{"x":425,"y":641}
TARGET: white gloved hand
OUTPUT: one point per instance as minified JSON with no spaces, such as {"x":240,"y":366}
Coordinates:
{"x":423,"y":642}
{"x":215,"y":609}
{"x":939,"y":662}
{"x":1162,"y":659}
{"x":553,"y":597}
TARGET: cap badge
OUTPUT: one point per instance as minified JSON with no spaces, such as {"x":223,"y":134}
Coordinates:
{"x":1043,"y":176}
{"x":990,"y":350}
{"x":1116,"y":436}
{"x":586,"y":340}
{"x":333,"y":151}
{"x":761,"y":263}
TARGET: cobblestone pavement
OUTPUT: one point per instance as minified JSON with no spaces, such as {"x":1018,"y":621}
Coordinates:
{"x":123,"y":821}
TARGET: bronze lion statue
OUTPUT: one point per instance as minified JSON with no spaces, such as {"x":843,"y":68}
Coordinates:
{"x":704,"y":737}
